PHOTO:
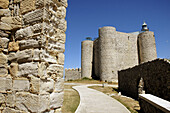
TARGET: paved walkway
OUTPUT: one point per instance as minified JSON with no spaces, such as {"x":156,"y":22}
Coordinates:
{"x":93,"y":101}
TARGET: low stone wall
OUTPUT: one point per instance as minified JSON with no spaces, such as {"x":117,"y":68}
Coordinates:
{"x":156,"y":77}
{"x":152,"y":104}
{"x":72,"y":74}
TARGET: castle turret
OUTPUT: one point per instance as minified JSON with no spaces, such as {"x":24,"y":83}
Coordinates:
{"x":147,"y":46}
{"x":86,"y":58}
{"x":107,"y":55}
{"x":144,"y":27}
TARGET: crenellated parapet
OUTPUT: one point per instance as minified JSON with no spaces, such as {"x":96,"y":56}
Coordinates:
{"x":72,"y":74}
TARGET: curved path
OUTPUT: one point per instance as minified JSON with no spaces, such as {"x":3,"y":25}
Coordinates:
{"x":93,"y":101}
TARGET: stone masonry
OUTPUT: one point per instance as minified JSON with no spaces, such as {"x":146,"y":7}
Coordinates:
{"x":32,"y":45}
{"x":72,"y":74}
{"x":156,"y":78}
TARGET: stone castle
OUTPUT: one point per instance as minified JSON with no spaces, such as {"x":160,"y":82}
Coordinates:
{"x":114,"y":51}
{"x":32,"y":45}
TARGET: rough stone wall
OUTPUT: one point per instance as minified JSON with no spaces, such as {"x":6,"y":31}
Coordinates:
{"x":156,"y":77}
{"x":32,"y":43}
{"x":115,"y":51}
{"x":86,"y":58}
{"x":72,"y":74}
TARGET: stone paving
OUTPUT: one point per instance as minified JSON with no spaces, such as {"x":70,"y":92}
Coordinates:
{"x":93,"y":101}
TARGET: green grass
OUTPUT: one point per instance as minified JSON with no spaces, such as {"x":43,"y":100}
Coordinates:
{"x":71,"y":100}
{"x":89,"y":81}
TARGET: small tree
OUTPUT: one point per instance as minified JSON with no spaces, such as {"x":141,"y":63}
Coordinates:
{"x":88,"y":38}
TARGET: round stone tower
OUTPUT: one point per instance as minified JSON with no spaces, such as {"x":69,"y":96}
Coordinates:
{"x":107,"y":57}
{"x":147,"y":46}
{"x":86,"y":58}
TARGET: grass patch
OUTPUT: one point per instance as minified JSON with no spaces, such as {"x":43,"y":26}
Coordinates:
{"x":89,"y":81}
{"x":131,"y":104}
{"x":71,"y":99}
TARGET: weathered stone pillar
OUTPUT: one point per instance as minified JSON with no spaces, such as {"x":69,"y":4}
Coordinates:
{"x":32,"y":43}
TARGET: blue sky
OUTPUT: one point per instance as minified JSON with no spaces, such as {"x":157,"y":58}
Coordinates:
{"x":84,"y":17}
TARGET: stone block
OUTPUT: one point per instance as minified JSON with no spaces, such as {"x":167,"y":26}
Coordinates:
{"x":2,"y":98}
{"x":4,"y":4}
{"x":4,"y":12}
{"x":35,"y":85}
{"x":27,"y":102}
{"x":33,"y":17}
{"x":12,"y":56}
{"x":4,"y":42}
{"x":21,"y":85}
{"x":47,"y":86}
{"x":5,"y":26}
{"x":56,"y":100}
{"x":61,"y":58}
{"x":36,"y":54}
{"x":13,"y":46}
{"x":55,"y":47}
{"x":28,"y":68}
{"x":23,"y":33}
{"x":10,"y":99}
{"x":42,"y":70}
{"x":27,"y":6}
{"x":61,"y":12}
{"x":24,"y":56}
{"x":11,"y":20}
{"x":59,"y":85}
{"x":39,"y":4}
{"x":27,"y":44}
{"x":3,"y":59}
{"x":11,"y":110}
{"x":13,"y":69}
{"x":46,"y":57}
{"x":5,"y":84}
{"x":3,"y":34}
{"x":55,"y":69}
{"x":3,"y":71}
{"x":44,"y":103}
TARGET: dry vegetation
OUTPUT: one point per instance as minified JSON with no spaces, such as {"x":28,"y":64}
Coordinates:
{"x":71,"y":100}
{"x":88,"y":81}
{"x":131,"y":104}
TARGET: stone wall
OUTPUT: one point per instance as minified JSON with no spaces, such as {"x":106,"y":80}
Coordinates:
{"x":156,"y":77}
{"x":113,"y":51}
{"x":32,"y":43}
{"x":72,"y":74}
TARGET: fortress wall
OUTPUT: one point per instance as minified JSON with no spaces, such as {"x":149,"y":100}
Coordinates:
{"x":32,"y":43}
{"x":156,"y":77}
{"x":96,"y":59}
{"x":72,"y":74}
{"x":117,"y":51}
{"x":86,"y":58}
{"x":126,"y":50}
{"x":147,"y":46}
